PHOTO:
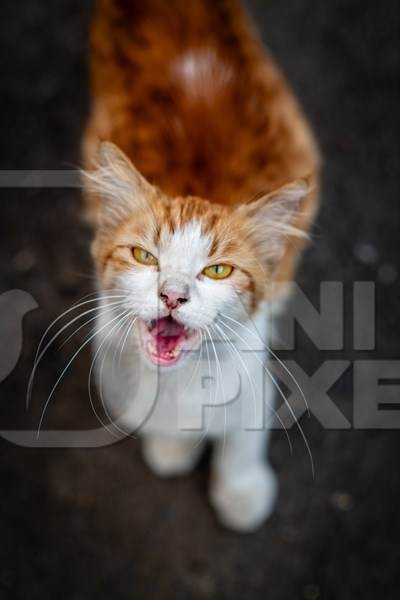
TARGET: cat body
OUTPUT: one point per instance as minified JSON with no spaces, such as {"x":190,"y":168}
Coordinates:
{"x":201,"y":194}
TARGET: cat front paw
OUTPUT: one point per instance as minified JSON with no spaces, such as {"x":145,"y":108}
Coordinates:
{"x":170,"y":457}
{"x":244,"y":502}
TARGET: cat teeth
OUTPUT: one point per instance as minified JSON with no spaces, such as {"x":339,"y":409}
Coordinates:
{"x":151,"y":324}
{"x":152,"y":347}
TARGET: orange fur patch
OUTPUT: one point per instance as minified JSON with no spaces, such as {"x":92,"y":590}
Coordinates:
{"x":189,"y":94}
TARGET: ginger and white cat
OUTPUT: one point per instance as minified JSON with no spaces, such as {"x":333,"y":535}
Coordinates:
{"x":202,"y":180}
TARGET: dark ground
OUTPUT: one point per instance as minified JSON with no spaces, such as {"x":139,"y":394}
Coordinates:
{"x":95,"y":523}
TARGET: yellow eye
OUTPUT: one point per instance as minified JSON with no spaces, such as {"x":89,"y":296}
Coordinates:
{"x":218,"y":271}
{"x":144,"y":257}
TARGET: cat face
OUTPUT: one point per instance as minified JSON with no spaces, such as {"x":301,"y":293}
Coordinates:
{"x":180,"y":262}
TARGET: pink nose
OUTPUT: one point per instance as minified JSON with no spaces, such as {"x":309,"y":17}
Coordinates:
{"x":173,"y":298}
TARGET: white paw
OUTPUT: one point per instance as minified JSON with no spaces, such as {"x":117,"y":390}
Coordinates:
{"x":168,"y":456}
{"x":244,"y":502}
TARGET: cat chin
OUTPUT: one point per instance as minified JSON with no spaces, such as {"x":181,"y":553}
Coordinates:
{"x":166,"y":343}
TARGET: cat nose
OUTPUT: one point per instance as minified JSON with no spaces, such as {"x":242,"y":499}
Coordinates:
{"x":174,"y":296}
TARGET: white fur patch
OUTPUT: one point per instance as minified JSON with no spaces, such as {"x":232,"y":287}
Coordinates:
{"x":201,"y":73}
{"x":185,"y":251}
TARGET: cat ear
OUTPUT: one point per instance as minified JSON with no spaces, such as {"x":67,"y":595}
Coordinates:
{"x":273,"y":217}
{"x":118,"y":185}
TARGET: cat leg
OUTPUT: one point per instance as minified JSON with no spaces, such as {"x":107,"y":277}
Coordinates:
{"x":169,"y":456}
{"x":244,"y":486}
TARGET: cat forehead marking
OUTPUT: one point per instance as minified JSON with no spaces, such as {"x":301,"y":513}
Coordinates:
{"x":201,"y":71}
{"x":185,"y":249}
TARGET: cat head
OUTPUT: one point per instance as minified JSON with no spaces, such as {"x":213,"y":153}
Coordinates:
{"x":180,"y":262}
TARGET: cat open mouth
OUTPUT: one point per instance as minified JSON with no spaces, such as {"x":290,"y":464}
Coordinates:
{"x":166,"y":341}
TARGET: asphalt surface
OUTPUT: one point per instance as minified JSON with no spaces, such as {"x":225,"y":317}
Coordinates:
{"x":95,"y":523}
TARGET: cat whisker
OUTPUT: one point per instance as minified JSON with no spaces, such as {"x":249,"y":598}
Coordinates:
{"x":67,"y":367}
{"x":212,"y":403}
{"x":222,"y":387}
{"x":123,"y":325}
{"x":277,"y":386}
{"x":224,"y":338}
{"x":213,"y":400}
{"x":105,"y":310}
{"x":108,"y":337}
{"x":100,"y":293}
{"x":273,"y":411}
{"x":196,"y":367}
{"x":122,"y":347}
{"x":75,"y":306}
{"x":268,"y":349}
{"x":40,"y":356}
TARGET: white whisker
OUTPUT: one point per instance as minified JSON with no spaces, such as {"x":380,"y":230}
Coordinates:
{"x":194,"y":371}
{"x":122,"y":347}
{"x":274,"y":412}
{"x":268,"y":349}
{"x":43,"y":352}
{"x":277,"y":386}
{"x":66,"y":368}
{"x":223,"y":389}
{"x":231,"y":346}
{"x":105,"y":310}
{"x":122,"y":318}
{"x":70,"y":309}
{"x":212,"y":403}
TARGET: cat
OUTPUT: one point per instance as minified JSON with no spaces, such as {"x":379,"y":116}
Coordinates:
{"x":202,"y":179}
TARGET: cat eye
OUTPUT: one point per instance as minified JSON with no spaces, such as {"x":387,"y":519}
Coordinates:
{"x":218,"y":271}
{"x":143,"y":256}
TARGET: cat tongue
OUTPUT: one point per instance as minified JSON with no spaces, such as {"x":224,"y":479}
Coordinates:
{"x":166,"y":328}
{"x":167,"y":333}
{"x":167,"y":344}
